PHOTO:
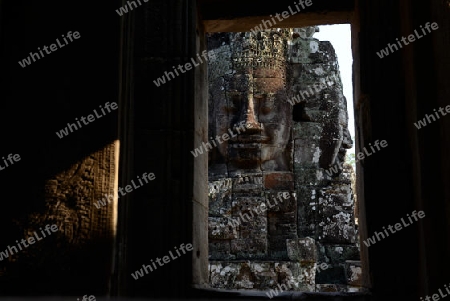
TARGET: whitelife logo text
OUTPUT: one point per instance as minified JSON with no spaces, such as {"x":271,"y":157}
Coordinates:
{"x":207,"y":146}
{"x":140,"y":273}
{"x":372,"y":240}
{"x":12,"y":159}
{"x":12,"y":250}
{"x":169,"y":74}
{"x":424,"y":123}
{"x":360,"y":156}
{"x":284,"y":15}
{"x":411,"y":38}
{"x":108,"y":198}
{"x":34,"y":56}
{"x":90,"y":118}
{"x":124,"y":9}
{"x":329,"y":80}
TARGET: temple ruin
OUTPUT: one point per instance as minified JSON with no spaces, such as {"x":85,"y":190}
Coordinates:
{"x":155,"y":128}
{"x":275,"y":214}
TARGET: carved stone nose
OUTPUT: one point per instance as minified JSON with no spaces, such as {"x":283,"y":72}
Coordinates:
{"x":251,"y":122}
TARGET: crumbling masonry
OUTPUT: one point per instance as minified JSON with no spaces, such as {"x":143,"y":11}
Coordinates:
{"x":275,"y":215}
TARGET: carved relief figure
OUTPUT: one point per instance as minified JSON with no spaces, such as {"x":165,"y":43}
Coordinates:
{"x":255,"y":93}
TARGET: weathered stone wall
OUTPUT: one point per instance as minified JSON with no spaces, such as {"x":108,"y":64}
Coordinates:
{"x":59,"y":178}
{"x":275,"y":215}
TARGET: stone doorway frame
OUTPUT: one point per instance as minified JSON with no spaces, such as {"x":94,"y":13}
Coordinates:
{"x":211,"y":20}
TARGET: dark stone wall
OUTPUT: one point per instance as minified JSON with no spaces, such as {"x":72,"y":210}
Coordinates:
{"x":57,"y":179}
{"x":414,"y":77}
{"x":160,"y":133}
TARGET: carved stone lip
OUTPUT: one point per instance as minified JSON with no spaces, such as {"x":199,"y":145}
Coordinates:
{"x":253,"y":139}
{"x":246,"y":146}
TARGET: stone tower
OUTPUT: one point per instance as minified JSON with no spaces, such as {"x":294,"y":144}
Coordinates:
{"x":277,"y":214}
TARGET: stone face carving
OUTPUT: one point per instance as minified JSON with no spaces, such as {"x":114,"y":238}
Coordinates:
{"x":302,"y":44}
{"x":305,"y":32}
{"x":255,"y":94}
{"x":269,"y":194}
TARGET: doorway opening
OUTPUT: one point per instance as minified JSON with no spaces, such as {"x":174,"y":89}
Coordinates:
{"x":281,"y":181}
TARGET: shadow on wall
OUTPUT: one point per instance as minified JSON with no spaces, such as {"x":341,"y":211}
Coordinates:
{"x":57,"y":180}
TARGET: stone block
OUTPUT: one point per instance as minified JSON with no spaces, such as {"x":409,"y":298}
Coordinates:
{"x":248,"y":183}
{"x":323,"y":76}
{"x":337,"y":288}
{"x":303,"y":250}
{"x":309,"y":176}
{"x":306,"y":153}
{"x":218,"y":42}
{"x":353,"y":272}
{"x":331,"y":99}
{"x":309,"y":51}
{"x":316,"y":52}
{"x":279,"y":180}
{"x":247,"y":156}
{"x":312,"y":115}
{"x":220,"y":228}
{"x":219,"y":194}
{"x":307,"y":130}
{"x":282,"y":226}
{"x":223,"y":274}
{"x":280,"y":201}
{"x":336,"y":196}
{"x":220,"y":250}
{"x":282,"y":223}
{"x":337,"y":220}
{"x":332,"y":130}
{"x":249,"y":248}
{"x":247,"y":204}
{"x":356,"y":289}
{"x":217,"y":172}
{"x":272,"y":165}
{"x":342,"y":176}
{"x":338,"y":227}
{"x":289,"y":276}
{"x":245,"y":278}
{"x":253,"y":228}
{"x":328,"y":159}
{"x":296,"y":277}
{"x":326,"y":288}
{"x":264,"y":274}
{"x":335,"y":254}
{"x":335,"y":274}
{"x":314,"y":90}
{"x":307,"y":211}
